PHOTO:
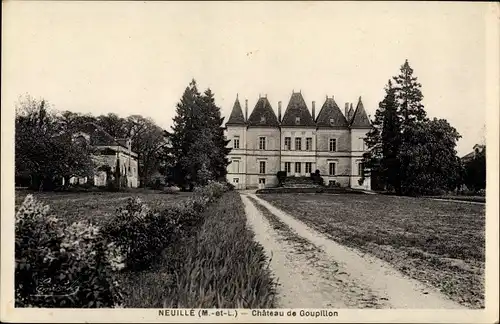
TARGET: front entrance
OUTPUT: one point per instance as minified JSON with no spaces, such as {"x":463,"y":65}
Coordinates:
{"x":262,"y":183}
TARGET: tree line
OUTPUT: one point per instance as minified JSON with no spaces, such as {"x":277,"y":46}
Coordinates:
{"x":411,"y":154}
{"x":191,"y":154}
{"x":45,"y":151}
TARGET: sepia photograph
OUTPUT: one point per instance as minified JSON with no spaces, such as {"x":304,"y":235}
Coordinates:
{"x":249,"y":161}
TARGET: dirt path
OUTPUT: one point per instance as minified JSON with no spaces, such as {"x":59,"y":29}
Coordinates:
{"x":314,"y":271}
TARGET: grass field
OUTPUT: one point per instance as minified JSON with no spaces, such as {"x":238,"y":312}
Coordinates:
{"x":96,"y":206}
{"x":437,"y":242}
{"x":219,"y":265}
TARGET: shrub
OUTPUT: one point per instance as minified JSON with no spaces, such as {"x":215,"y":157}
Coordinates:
{"x":281,"y":177}
{"x":317,"y":179}
{"x":143,"y":233}
{"x":58,"y":266}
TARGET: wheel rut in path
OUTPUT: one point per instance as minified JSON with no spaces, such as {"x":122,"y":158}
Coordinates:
{"x":314,"y":271}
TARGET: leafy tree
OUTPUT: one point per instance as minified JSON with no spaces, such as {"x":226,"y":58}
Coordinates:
{"x":408,"y":153}
{"x":113,"y":124}
{"x":475,"y":171}
{"x":429,"y":162}
{"x":147,"y":141}
{"x":44,"y":151}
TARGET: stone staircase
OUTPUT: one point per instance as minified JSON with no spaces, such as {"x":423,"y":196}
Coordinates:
{"x":299,"y":182}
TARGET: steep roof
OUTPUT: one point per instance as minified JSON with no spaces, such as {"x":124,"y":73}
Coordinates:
{"x":296,"y":113}
{"x":350,"y":113}
{"x":236,"y":117}
{"x":263,"y":114}
{"x":99,"y":137}
{"x":360,"y":118}
{"x":330,"y":115}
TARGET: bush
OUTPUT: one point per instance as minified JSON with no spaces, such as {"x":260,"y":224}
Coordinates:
{"x":223,"y":266}
{"x":143,"y":233}
{"x":281,"y":177}
{"x":58,"y":266}
{"x":317,"y":179}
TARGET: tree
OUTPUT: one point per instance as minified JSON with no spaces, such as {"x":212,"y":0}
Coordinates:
{"x":44,"y":150}
{"x":197,"y":147}
{"x":147,"y":141}
{"x":475,"y":171}
{"x":429,"y":162}
{"x":219,"y":161}
{"x":408,"y":153}
{"x":113,"y":125}
{"x":383,"y":142}
{"x":409,"y":97}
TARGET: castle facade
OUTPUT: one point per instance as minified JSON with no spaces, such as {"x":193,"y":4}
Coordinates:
{"x":298,"y":142}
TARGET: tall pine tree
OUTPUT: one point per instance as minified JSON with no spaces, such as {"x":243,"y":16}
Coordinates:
{"x":409,"y":97}
{"x":383,"y":142}
{"x":197,"y":151}
{"x":408,"y":153}
{"x":215,"y":122}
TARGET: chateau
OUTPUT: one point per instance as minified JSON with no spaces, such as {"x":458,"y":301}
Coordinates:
{"x":298,"y":142}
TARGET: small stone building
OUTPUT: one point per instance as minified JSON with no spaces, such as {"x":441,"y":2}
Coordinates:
{"x":107,"y":150}
{"x":298,"y":142}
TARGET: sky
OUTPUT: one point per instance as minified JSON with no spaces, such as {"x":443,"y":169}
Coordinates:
{"x":138,"y":57}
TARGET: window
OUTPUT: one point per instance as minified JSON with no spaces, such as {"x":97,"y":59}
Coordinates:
{"x":298,"y":143}
{"x":262,"y":180}
{"x":262,"y":119}
{"x":361,"y":166}
{"x":288,"y":143}
{"x":362,"y":144}
{"x":236,"y":143}
{"x":288,"y":167}
{"x":333,"y":144}
{"x":262,"y":167}
{"x":332,"y":122}
{"x":309,"y":144}
{"x":297,"y":167}
{"x":332,"y":168}
{"x":236,"y":180}
{"x":236,"y":166}
{"x":262,"y":143}
{"x":308,"y":167}
{"x":297,"y":120}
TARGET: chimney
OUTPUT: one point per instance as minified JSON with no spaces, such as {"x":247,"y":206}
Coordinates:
{"x":246,"y":109}
{"x":279,"y":111}
{"x":346,"y":110}
{"x":314,"y":110}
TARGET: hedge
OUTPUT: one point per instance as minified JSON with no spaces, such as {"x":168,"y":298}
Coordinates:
{"x":76,"y":266}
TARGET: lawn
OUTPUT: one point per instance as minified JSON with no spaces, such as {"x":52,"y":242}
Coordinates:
{"x":440,"y":243}
{"x":219,"y":264}
{"x":96,"y":206}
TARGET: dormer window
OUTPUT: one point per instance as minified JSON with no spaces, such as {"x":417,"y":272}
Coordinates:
{"x":263,"y":119}
{"x":297,"y":120}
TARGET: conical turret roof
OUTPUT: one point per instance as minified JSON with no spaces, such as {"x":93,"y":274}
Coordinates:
{"x":360,"y":118}
{"x":236,"y":117}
